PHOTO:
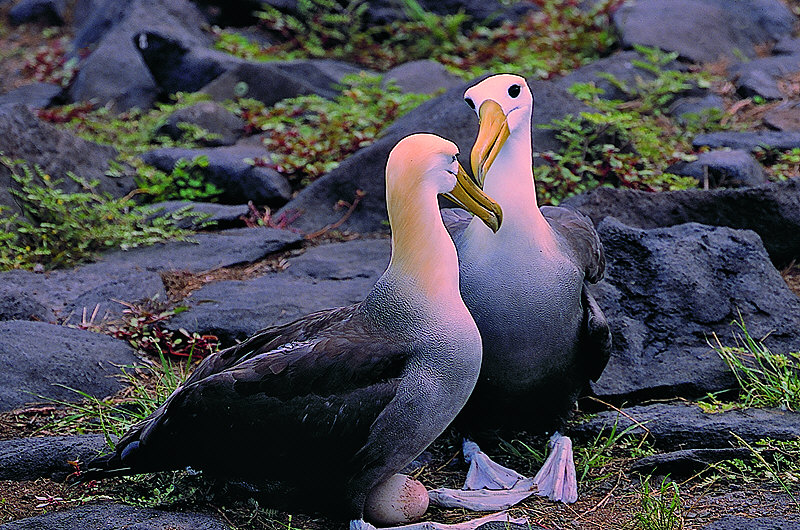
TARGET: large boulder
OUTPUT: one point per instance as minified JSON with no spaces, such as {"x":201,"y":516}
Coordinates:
{"x":772,"y":211}
{"x":49,"y":12}
{"x":447,"y":116}
{"x":324,"y":276}
{"x":43,"y":361}
{"x":57,"y":152}
{"x":704,"y":30}
{"x":110,"y":32}
{"x":668,"y":291}
{"x":271,"y":82}
{"x":98,"y":291}
{"x":225,"y":127}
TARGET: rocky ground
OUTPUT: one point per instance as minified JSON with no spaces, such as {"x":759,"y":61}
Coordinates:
{"x":683,"y":264}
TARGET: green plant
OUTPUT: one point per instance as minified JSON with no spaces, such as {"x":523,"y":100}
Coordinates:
{"x":624,"y":143}
{"x":559,"y":36}
{"x":597,"y":455}
{"x":765,"y":379}
{"x":185,"y":182}
{"x":780,"y":165}
{"x":661,"y":509}
{"x":58,"y":229}
{"x":308,"y":136}
{"x":132,"y":132}
{"x":147,"y":388}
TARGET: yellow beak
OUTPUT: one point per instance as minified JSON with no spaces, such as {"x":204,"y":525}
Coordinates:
{"x":491,"y":137}
{"x":469,"y":196}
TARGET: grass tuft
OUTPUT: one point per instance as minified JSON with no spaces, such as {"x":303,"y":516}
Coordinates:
{"x":659,"y":509}
{"x":766,"y":379}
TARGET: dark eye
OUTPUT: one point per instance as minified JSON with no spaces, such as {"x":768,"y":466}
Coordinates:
{"x":470,"y":103}
{"x":514,"y":90}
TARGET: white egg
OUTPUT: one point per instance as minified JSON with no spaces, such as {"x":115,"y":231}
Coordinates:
{"x":399,"y":500}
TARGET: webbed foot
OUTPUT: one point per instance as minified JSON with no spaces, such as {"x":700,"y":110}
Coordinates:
{"x":489,"y":486}
{"x":360,"y":524}
{"x":556,"y":479}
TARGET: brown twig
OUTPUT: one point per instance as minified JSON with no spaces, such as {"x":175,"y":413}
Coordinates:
{"x":351,"y":207}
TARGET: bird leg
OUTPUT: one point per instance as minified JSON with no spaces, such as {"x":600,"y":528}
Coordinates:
{"x":489,"y":486}
{"x":556,"y":479}
{"x":360,"y":524}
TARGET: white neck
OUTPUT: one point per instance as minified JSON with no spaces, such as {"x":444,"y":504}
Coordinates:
{"x":510,"y":182}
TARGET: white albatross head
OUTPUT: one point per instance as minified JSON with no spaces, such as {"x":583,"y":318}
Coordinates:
{"x":504,"y":104}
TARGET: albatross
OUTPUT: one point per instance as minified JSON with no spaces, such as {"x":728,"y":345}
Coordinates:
{"x":324,"y":409}
{"x":544,"y":335}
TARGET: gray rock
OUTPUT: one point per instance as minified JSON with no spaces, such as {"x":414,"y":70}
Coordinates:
{"x":323,"y":277}
{"x":214,"y":216}
{"x":772,"y":211}
{"x":422,"y":77}
{"x":787,"y":46}
{"x":206,"y":251}
{"x":178,"y":66}
{"x":239,"y":181}
{"x":687,"y":462}
{"x":111,"y":29}
{"x":760,"y":77}
{"x":738,"y":522}
{"x":668,"y":290}
{"x":748,"y":140}
{"x":784,"y":117}
{"x":48,"y":457}
{"x":57,"y":152}
{"x":111,"y":516}
{"x":211,"y":116}
{"x":685,"y":426}
{"x":34,"y":96}
{"x":725,"y":169}
{"x":271,"y":82}
{"x":621,"y":66}
{"x":704,"y":30}
{"x":447,"y":116}
{"x":42,"y":359}
{"x":683,"y":108}
{"x":16,"y":304}
{"x":76,"y":295}
{"x":49,"y":12}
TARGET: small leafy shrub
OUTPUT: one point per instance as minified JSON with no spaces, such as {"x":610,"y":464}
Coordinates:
{"x":184,"y":182}
{"x":561,"y":35}
{"x":132,"y":132}
{"x":625,"y":144}
{"x":308,"y":136}
{"x":59,"y":229}
{"x":49,"y":64}
{"x":780,"y":165}
{"x":659,"y":509}
{"x":765,"y":379}
{"x":142,"y":328}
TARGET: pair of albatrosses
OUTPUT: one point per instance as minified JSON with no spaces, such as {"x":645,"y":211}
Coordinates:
{"x":326,"y":409}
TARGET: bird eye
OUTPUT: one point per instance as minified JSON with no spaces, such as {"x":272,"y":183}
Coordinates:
{"x":514,"y":90}
{"x":470,"y":103}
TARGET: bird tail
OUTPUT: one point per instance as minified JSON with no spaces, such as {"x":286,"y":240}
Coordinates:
{"x":123,"y":461}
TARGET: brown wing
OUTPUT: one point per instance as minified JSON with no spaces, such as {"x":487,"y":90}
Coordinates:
{"x":577,"y":231}
{"x":316,"y":393}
